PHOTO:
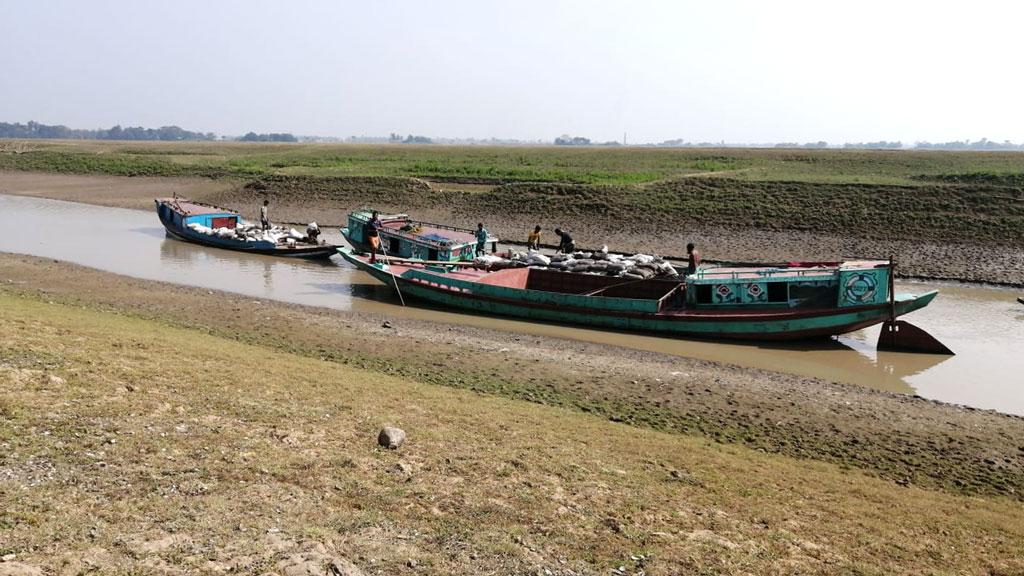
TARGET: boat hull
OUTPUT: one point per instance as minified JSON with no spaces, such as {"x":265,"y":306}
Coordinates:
{"x":791,"y":324}
{"x":177,"y":230}
{"x":307,"y":252}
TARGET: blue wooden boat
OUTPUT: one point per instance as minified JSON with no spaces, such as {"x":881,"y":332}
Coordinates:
{"x":403,"y":237}
{"x":787,"y":302}
{"x":198,"y":223}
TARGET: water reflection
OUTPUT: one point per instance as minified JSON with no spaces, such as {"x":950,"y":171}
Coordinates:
{"x":983,"y":325}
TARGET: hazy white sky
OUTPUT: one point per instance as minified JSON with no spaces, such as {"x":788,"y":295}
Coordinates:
{"x":738,"y":71}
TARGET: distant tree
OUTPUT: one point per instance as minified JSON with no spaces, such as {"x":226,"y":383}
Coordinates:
{"x":36,"y":130}
{"x":272,"y":137}
{"x":566,"y":140}
{"x":410,"y":139}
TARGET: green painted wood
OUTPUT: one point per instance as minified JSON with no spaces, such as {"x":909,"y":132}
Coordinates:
{"x":596,"y":303}
{"x":564,"y":309}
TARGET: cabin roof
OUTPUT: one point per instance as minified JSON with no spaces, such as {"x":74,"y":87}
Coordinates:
{"x":432,"y":234}
{"x":190,"y":208}
{"x":793,"y":272}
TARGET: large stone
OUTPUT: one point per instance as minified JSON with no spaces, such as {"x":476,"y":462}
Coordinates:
{"x":19,"y":569}
{"x":391,"y":437}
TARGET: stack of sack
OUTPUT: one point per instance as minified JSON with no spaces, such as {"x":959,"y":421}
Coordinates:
{"x":249,"y":232}
{"x":637,"y":266}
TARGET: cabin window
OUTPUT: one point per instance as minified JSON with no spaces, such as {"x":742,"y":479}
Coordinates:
{"x":778,"y":292}
{"x":813,"y":295}
{"x":394,"y":245}
{"x":703,"y":293}
{"x":432,"y":254}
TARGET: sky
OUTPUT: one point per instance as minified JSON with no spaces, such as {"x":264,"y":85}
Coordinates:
{"x":703,"y":71}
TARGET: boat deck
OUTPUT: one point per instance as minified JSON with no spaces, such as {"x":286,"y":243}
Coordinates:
{"x":796,"y":270}
{"x":193,"y":209}
{"x":433,"y":234}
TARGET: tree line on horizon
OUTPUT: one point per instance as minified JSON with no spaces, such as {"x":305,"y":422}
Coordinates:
{"x":36,"y":130}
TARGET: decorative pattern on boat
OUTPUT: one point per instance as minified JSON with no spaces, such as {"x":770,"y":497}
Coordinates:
{"x":863,"y":287}
{"x":724,"y":294}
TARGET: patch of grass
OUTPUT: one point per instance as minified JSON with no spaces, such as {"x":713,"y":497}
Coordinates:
{"x":226,"y":454}
{"x":862,"y":193}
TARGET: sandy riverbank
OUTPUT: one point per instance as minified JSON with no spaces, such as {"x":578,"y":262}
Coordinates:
{"x":137,"y":440}
{"x":900,"y":438}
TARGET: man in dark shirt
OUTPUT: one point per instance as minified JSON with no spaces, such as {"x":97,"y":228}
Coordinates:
{"x":565,"y":243}
{"x":693,"y":258}
{"x":372,"y":236}
{"x":481,"y":239}
{"x":264,"y":215}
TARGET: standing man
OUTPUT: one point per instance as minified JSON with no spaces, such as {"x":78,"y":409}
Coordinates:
{"x":264,"y":215}
{"x":373,"y":236}
{"x":693,"y":259}
{"x":533,"y":240}
{"x":565,"y":243}
{"x":481,"y":239}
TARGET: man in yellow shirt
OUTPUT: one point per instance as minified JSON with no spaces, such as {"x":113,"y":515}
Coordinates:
{"x":533,"y":240}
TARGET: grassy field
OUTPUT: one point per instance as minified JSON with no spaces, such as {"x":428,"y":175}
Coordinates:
{"x":615,"y":166}
{"x":133,"y":446}
{"x":878,"y":195}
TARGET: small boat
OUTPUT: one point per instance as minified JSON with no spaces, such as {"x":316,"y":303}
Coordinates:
{"x":222,"y":228}
{"x":785,"y":302}
{"x":403,"y":237}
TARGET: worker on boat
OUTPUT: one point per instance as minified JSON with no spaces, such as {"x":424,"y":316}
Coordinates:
{"x":313,"y":233}
{"x":481,"y":239}
{"x":565,"y":243}
{"x":533,"y":240}
{"x":265,"y":215}
{"x":372,"y":236}
{"x":693,"y":258}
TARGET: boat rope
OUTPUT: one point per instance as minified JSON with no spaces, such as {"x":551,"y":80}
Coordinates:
{"x":393,"y":278}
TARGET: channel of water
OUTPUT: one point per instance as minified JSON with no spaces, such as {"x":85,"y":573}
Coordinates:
{"x":983,"y":325}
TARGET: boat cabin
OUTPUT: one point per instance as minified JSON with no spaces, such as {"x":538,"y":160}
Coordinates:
{"x":181,"y":213}
{"x":810,"y":285}
{"x":403,"y":237}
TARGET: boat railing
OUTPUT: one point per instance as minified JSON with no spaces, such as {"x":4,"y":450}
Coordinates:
{"x":452,"y":228}
{"x":776,"y":273}
{"x":418,"y":237}
{"x":443,"y":226}
{"x":414,"y":237}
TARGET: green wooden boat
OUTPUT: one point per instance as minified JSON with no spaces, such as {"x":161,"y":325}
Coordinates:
{"x":788,"y":302}
{"x":403,"y":237}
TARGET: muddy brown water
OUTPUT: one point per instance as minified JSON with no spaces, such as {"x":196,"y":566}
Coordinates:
{"x":983,"y":325}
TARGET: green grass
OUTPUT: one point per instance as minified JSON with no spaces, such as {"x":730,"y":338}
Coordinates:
{"x":229,"y":462}
{"x":879,"y":194}
{"x":613,"y":166}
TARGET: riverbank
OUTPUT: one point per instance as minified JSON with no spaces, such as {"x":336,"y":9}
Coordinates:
{"x":151,"y":427}
{"x":904,"y":439}
{"x":661,"y":218}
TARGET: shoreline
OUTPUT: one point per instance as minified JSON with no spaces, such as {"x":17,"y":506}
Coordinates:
{"x":886,"y":434}
{"x":249,"y":458}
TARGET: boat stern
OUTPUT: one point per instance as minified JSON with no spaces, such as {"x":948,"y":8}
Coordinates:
{"x":907,"y":303}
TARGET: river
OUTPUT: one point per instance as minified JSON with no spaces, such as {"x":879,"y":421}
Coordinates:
{"x":983,"y":325}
